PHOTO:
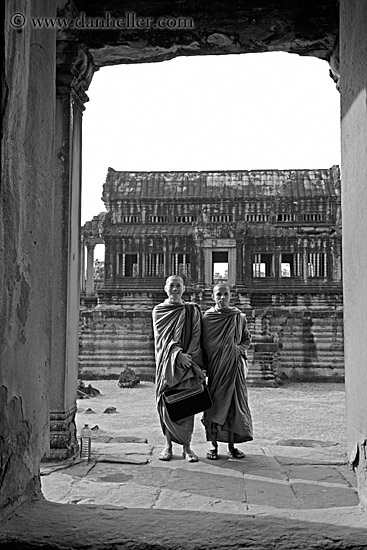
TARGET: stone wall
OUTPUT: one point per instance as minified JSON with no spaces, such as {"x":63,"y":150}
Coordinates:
{"x":289,"y":343}
{"x":353,"y":46}
{"x":112,"y":339}
{"x":26,"y":221}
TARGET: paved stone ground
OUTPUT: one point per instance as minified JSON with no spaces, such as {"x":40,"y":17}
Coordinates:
{"x":293,"y":489}
{"x":296,"y":463}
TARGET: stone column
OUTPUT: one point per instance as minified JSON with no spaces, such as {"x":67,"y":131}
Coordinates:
{"x":108,"y":258}
{"x":239,"y":263}
{"x":197,"y":260}
{"x":90,"y":269}
{"x":82,"y":262}
{"x":353,"y":78}
{"x":232,"y":266}
{"x":305,"y":262}
{"x":336,"y":272}
{"x":73,"y":76}
{"x":208,"y":266}
{"x":166,"y":266}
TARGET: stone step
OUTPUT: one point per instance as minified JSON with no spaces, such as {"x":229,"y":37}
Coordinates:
{"x":315,"y":337}
{"x":117,"y":357}
{"x":299,"y":328}
{"x":326,"y":332}
{"x":321,"y":347}
{"x":121,"y":361}
{"x":314,"y":371}
{"x":310,"y":365}
{"x":96,"y":371}
{"x":121,"y":337}
{"x":122,"y":333}
{"x":116,"y":344}
{"x":300,"y":357}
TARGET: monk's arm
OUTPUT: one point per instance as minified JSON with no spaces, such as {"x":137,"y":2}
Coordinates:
{"x":245,"y":340}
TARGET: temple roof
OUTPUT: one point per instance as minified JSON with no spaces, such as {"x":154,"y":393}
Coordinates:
{"x":246,"y":184}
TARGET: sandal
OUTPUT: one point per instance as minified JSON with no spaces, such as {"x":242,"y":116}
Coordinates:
{"x":190,"y":456}
{"x":212,"y":454}
{"x":236,"y":453}
{"x":165,"y":455}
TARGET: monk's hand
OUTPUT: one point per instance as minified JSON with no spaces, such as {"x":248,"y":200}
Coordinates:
{"x":185,"y":360}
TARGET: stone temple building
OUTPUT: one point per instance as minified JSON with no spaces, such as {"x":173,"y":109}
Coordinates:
{"x":273,"y":235}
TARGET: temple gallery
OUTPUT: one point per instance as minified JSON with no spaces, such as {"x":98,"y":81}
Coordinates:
{"x":273,"y":235}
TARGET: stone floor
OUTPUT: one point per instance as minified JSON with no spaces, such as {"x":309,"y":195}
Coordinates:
{"x":294,"y":489}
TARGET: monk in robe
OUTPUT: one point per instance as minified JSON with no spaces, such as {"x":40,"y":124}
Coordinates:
{"x":225,"y":340}
{"x":177,"y":338}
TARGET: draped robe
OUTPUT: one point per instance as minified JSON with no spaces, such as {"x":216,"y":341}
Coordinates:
{"x":225,"y":341}
{"x":177,"y":328}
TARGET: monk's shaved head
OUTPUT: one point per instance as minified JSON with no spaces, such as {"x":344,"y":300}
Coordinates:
{"x":221,"y":295}
{"x":174,"y":288}
{"x":221,"y":285}
{"x":174,"y":277}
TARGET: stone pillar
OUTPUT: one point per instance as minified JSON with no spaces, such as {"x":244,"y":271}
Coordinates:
{"x":142,"y":263}
{"x":232,"y":266}
{"x":73,"y":75}
{"x":198,"y":274}
{"x":165,"y":258}
{"x":82,"y":264}
{"x":305,"y":262}
{"x":108,"y":258}
{"x":90,"y":270}
{"x":208,"y":275}
{"x":239,"y":262}
{"x":353,"y":88}
{"x":26,"y":247}
{"x":336,"y":260}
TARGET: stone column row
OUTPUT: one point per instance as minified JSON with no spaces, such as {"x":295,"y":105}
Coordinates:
{"x":73,"y":76}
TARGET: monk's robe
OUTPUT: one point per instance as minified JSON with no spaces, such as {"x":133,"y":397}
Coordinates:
{"x":177,"y":328}
{"x":225,"y":341}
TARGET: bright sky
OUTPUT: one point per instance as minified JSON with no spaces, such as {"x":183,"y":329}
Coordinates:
{"x":229,"y":112}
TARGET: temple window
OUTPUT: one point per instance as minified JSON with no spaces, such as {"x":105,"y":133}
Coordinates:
{"x":262,"y":265}
{"x":185,"y":219}
{"x":181,"y":264}
{"x":291,"y":265}
{"x":127,"y":265}
{"x":154,"y":264}
{"x":220,"y":218}
{"x":314,"y":217}
{"x":257,"y":217}
{"x":157,"y":219}
{"x":286,"y":217}
{"x":317,"y":264}
{"x":130,"y":219}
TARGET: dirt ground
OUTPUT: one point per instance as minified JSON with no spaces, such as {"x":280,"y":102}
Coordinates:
{"x":297,"y":411}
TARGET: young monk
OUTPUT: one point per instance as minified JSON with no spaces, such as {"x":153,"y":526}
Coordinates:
{"x":177,"y":330}
{"x":225,"y":341}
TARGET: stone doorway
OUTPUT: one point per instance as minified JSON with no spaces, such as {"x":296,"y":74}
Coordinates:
{"x":219,"y":261}
{"x":220,"y":267}
{"x":29,"y":357}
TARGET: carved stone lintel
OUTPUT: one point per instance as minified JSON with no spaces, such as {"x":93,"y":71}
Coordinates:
{"x":220,"y":231}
